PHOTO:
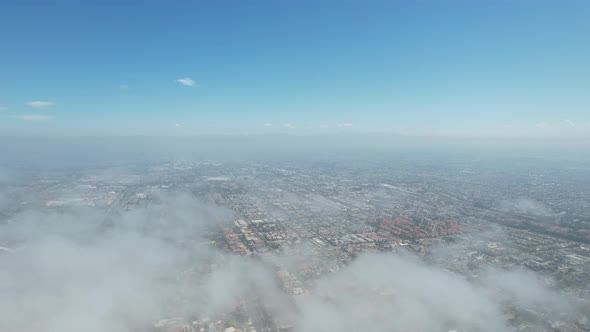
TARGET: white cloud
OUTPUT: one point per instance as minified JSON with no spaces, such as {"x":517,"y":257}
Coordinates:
{"x":560,"y":128}
{"x":38,"y":103}
{"x":186,"y":81}
{"x":33,"y":117}
{"x":289,"y":125}
{"x":177,"y":124}
{"x":541,"y":125}
{"x":123,"y":86}
{"x":345,"y":125}
{"x":2,"y":108}
{"x":268,"y":124}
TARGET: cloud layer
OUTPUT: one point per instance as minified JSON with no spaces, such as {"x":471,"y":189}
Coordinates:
{"x":82,"y":269}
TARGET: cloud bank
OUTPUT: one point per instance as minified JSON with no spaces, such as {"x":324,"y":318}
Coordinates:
{"x":84,"y":269}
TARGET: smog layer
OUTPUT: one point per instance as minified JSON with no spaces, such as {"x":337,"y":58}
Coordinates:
{"x":414,"y":243}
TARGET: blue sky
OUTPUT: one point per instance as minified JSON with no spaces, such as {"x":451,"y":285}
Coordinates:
{"x":298,"y":67}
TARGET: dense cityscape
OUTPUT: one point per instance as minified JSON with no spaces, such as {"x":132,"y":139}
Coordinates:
{"x":307,"y":221}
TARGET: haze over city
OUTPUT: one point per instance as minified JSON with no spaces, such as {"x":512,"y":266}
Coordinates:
{"x":304,"y":166}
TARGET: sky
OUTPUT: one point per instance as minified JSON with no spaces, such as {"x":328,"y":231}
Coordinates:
{"x":428,"y":68}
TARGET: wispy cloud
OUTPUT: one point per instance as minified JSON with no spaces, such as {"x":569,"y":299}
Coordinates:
{"x":345,"y":125}
{"x":123,"y":86}
{"x":268,"y":124}
{"x":33,"y":117}
{"x":569,"y":123}
{"x":39,"y":103}
{"x":2,"y":108}
{"x":186,"y":81}
{"x":289,"y":125}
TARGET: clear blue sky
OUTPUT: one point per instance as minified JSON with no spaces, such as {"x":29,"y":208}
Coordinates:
{"x":302,"y":67}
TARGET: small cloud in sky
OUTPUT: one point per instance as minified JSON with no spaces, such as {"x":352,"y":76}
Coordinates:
{"x":186,"y":81}
{"x":33,"y":117}
{"x":345,"y":125}
{"x":289,"y":125}
{"x":123,"y":86}
{"x":2,"y":108}
{"x":177,"y":124}
{"x":570,"y":123}
{"x":268,"y":124}
{"x":541,"y":125}
{"x":39,"y":103}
